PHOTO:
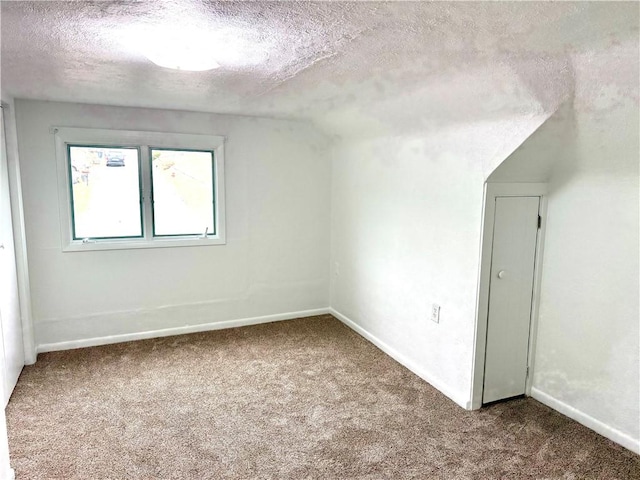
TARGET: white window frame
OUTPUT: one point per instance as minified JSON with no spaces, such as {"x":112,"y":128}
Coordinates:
{"x":144,"y":141}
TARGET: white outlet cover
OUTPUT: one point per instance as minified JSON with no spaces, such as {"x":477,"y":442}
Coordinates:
{"x":435,"y":313}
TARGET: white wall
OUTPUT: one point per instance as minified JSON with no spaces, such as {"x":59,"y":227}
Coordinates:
{"x":275,"y":260}
{"x":405,"y":234}
{"x":406,"y":229}
{"x":588,"y":348}
{"x":535,"y":160}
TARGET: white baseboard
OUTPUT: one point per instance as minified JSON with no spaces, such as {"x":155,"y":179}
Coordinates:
{"x":588,"y":421}
{"x":167,"y":332}
{"x":403,"y":360}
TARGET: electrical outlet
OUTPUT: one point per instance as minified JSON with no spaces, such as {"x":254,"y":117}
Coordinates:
{"x":435,"y":313}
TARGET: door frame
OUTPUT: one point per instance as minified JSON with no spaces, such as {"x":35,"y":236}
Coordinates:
{"x":491,"y":192}
{"x":8,"y":112}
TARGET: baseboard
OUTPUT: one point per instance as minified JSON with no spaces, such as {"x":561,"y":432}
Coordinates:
{"x":167,"y":332}
{"x":587,"y":420}
{"x":403,"y":360}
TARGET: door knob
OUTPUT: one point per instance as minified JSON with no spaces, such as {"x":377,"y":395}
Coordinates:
{"x":501,"y":274}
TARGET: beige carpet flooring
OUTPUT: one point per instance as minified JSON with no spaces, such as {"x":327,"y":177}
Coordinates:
{"x":306,"y":398}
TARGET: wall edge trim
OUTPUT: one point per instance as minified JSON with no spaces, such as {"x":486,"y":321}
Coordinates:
{"x":167,"y":332}
{"x":587,"y":420}
{"x":403,"y":360}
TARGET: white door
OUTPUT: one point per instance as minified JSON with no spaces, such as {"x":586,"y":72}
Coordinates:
{"x":9,"y":301}
{"x":515,"y":233}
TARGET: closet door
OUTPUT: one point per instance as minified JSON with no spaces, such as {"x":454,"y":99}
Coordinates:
{"x":510,"y":296}
{"x":9,"y":302}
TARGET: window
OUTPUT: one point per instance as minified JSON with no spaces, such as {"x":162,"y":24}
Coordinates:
{"x":105,"y":192}
{"x":183,"y":192}
{"x":129,"y":189}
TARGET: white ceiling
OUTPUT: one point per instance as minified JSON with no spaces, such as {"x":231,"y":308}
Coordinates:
{"x":343,"y":65}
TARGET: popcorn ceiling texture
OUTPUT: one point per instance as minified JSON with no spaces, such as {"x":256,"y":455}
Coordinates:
{"x":349,"y":66}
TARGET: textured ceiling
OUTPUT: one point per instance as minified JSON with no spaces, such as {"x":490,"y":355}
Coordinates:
{"x":345,"y":65}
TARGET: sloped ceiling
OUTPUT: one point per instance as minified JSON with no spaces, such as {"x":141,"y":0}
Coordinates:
{"x":348,"y":66}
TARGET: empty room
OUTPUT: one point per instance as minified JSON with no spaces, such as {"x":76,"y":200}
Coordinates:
{"x":328,"y":240}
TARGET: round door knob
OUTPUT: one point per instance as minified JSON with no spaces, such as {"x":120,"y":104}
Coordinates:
{"x":501,"y":274}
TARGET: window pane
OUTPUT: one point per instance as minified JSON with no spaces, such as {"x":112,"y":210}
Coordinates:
{"x":106,"y":192}
{"x":182,"y":192}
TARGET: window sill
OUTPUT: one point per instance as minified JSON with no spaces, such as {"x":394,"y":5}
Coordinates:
{"x":129,"y":244}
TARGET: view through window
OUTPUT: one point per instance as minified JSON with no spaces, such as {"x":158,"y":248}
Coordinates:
{"x":183,"y":192}
{"x":105,"y":192}
{"x":129,"y":189}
